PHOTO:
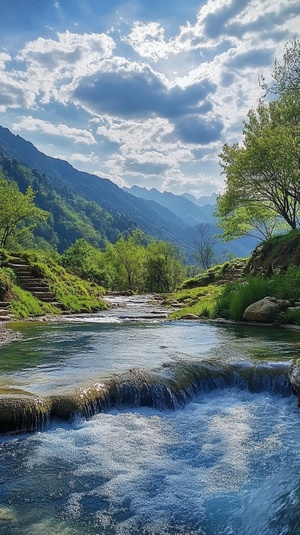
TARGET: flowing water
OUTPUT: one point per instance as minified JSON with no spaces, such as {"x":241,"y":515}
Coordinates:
{"x":201,"y":434}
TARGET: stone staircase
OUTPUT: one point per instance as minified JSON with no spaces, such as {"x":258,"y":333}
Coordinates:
{"x":5,"y":314}
{"x":31,"y":282}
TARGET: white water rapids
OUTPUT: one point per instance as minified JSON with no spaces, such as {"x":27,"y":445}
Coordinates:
{"x":226,"y":463}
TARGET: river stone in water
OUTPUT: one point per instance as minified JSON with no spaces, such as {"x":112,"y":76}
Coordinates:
{"x":265,"y":309}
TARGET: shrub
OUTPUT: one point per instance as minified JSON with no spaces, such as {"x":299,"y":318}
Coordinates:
{"x":237,"y":297}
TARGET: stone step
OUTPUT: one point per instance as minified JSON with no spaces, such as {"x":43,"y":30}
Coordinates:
{"x":4,"y":304}
{"x":19,"y":267}
{"x":8,"y":317}
{"x":5,"y":312}
{"x":35,"y":288}
{"x":42,"y":296}
{"x":30,"y":279}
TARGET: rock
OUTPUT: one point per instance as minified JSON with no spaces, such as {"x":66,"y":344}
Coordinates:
{"x":265,"y":310}
{"x":7,"y":515}
{"x":294,"y":376}
{"x":189,"y":317}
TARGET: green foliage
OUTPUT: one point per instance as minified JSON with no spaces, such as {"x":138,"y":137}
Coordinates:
{"x":286,"y":285}
{"x":133,"y":264}
{"x":263,"y":174}
{"x":71,"y":217}
{"x":227,"y":270}
{"x":86,"y":261}
{"x":18,"y":213}
{"x":164,"y":266}
{"x":75,"y":294}
{"x":278,"y":253}
{"x":25,"y":304}
{"x":6,"y":283}
{"x":236,"y":297}
{"x":198,"y":301}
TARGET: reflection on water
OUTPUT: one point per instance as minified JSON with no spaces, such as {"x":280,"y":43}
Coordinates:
{"x":55,"y":356}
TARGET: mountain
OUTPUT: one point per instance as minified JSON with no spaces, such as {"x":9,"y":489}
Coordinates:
{"x":189,"y":212}
{"x":70,"y":183}
{"x":201,"y":201}
{"x":85,"y":205}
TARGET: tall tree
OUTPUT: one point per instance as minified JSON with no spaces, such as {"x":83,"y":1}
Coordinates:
{"x":263,"y":172}
{"x":164,"y":267}
{"x":127,"y":258}
{"x":18,"y":213}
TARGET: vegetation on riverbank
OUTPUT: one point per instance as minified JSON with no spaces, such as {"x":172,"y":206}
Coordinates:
{"x":262,"y":276}
{"x":71,"y":293}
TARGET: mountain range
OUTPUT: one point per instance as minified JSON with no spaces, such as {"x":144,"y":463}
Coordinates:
{"x":192,"y":214}
{"x":86,"y":201}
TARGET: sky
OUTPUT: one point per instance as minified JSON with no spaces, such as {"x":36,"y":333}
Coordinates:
{"x":143,"y":92}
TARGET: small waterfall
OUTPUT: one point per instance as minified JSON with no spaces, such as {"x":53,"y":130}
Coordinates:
{"x":23,"y":413}
{"x":170,"y":387}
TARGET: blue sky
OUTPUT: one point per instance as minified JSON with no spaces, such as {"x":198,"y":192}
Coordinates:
{"x":141,"y":92}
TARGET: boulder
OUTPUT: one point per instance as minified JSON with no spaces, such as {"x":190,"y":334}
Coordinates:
{"x":294,"y":376}
{"x":265,"y":310}
{"x":189,"y":317}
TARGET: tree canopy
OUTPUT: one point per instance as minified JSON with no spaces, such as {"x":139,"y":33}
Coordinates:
{"x":18,"y":213}
{"x":263,"y":172}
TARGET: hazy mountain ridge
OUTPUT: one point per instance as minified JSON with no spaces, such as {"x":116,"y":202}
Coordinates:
{"x":201,"y":201}
{"x":191,"y":213}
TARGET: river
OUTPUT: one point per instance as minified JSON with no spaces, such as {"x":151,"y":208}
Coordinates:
{"x":201,"y":435}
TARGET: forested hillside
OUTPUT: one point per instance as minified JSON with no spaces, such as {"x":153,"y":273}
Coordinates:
{"x":70,"y":216}
{"x":84,"y":205}
{"x":68,"y":182}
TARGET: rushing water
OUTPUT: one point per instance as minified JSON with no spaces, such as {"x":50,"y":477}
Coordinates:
{"x":223,"y":460}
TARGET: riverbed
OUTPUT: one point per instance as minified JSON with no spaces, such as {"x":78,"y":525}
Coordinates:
{"x":201,"y":436}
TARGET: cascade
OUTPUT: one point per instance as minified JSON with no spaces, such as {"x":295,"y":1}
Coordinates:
{"x":170,"y":387}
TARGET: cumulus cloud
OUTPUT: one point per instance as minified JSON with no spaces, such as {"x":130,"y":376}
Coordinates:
{"x":139,"y":92}
{"x":154,"y":95}
{"x":52,"y":64}
{"x":30,"y":124}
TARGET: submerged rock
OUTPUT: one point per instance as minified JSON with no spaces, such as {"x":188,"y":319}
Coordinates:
{"x":7,"y":515}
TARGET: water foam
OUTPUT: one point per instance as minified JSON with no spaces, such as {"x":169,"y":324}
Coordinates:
{"x":165,"y":472}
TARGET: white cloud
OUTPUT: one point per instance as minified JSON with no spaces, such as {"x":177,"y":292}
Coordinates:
{"x":76,"y":135}
{"x":51,"y":65}
{"x":148,"y":40}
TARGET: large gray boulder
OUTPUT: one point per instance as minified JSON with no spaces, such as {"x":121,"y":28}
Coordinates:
{"x":265,"y":310}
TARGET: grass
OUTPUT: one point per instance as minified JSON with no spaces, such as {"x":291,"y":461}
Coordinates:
{"x":199,"y":301}
{"x":73,"y":293}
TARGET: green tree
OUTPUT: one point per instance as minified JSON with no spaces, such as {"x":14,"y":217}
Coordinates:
{"x":127,"y":260}
{"x":87,"y":261}
{"x":263,"y":172}
{"x":256,"y":221}
{"x":18,"y":213}
{"x":164,"y":265}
